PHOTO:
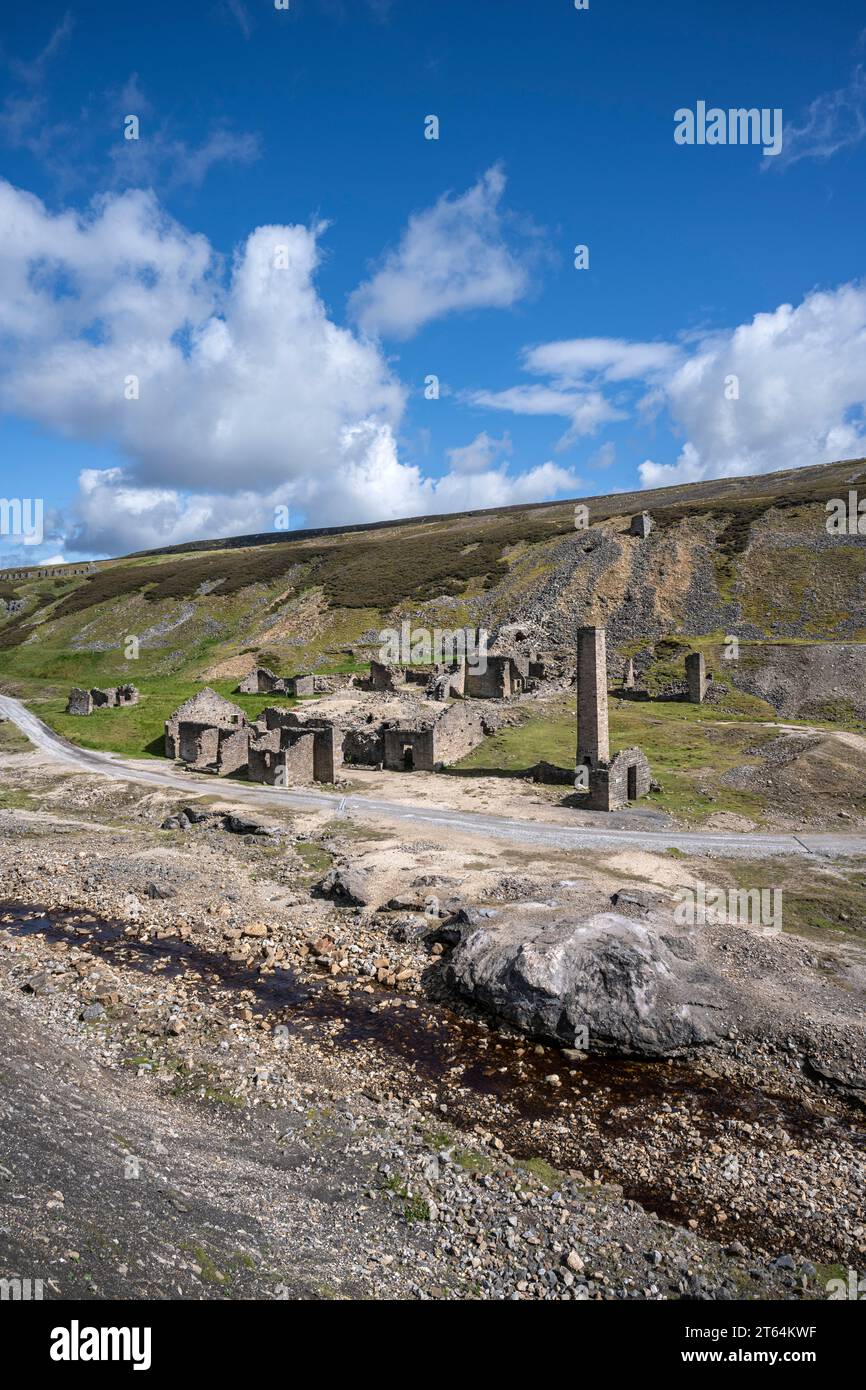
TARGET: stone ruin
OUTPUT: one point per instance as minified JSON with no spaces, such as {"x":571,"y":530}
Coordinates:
{"x":284,"y":750}
{"x":641,"y":525}
{"x":428,"y":743}
{"x":613,"y":782}
{"x":205,"y":711}
{"x":86,"y":701}
{"x":261,"y":681}
{"x":506,"y":675}
{"x":283,"y":747}
{"x":697,"y":677}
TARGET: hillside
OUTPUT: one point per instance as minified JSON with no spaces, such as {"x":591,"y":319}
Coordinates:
{"x":749,"y":556}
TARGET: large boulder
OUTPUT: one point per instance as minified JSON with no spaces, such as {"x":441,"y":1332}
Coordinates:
{"x":635,"y":988}
{"x":350,"y":885}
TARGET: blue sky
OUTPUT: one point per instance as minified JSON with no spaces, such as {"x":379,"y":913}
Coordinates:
{"x":281,"y":259}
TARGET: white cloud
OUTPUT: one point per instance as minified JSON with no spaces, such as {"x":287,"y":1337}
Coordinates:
{"x":248,"y":395}
{"x":604,"y":457}
{"x":480,"y":455}
{"x":168,"y":161}
{"x":499,"y":488}
{"x":613,"y":359}
{"x":835,"y":121}
{"x":587,"y":410}
{"x":801,"y":377}
{"x":248,"y":377}
{"x":453,"y":256}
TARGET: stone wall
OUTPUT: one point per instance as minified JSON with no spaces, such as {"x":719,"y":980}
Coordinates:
{"x":79,"y":702}
{"x":198,"y":744}
{"x":503,"y":678}
{"x":86,"y":701}
{"x":696,"y":676}
{"x":364,"y":746}
{"x":409,"y":749}
{"x":301,"y":685}
{"x":233,"y":751}
{"x":207,"y":707}
{"x":612,"y":785}
{"x":456,"y":733}
{"x":384,"y":678}
{"x":641,"y":525}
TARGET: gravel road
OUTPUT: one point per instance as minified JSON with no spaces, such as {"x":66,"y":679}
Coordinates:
{"x":740,"y":845}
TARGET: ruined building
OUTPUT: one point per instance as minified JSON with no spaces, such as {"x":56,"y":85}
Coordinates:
{"x":261,"y":681}
{"x":86,"y":701}
{"x":503,"y":676}
{"x":206,"y":710}
{"x":283,"y":747}
{"x":429,"y":743}
{"x":696,"y":675}
{"x":641,"y":525}
{"x":612,"y":782}
{"x":284,"y":750}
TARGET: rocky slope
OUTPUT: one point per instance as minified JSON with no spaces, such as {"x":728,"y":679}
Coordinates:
{"x":748,"y":556}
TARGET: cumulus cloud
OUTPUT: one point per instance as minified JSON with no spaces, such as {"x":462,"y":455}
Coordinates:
{"x":499,"y":488}
{"x":786,"y":390}
{"x":453,"y":256}
{"x":579,"y":370}
{"x":480,"y":454}
{"x":227,"y":388}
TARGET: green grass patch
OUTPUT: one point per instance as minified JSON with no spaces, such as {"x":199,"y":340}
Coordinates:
{"x":138,"y":731}
{"x":542,"y":1170}
{"x":687,"y":749}
{"x":12,"y":740}
{"x":317,"y":860}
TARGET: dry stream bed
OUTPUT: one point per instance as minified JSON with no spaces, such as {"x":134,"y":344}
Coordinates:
{"x":738,"y":1146}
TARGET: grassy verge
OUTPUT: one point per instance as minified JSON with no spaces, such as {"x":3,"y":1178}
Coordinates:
{"x":12,"y":741}
{"x":138,"y":731}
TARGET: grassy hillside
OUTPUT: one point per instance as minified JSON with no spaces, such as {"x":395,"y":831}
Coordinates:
{"x":750,"y":556}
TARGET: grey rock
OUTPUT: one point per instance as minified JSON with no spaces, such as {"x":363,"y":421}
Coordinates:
{"x":39,"y":984}
{"x":348,"y":885}
{"x":156,"y":890}
{"x":615,"y":977}
{"x":243,"y":825}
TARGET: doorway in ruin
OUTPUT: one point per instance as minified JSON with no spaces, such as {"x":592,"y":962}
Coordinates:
{"x":408,"y":760}
{"x":632,"y":783}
